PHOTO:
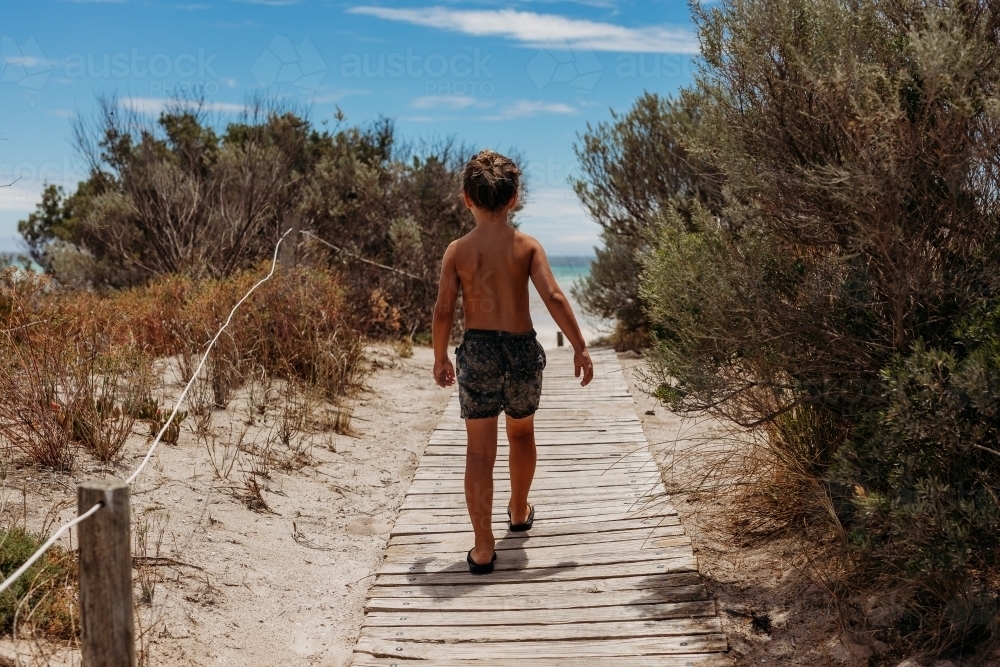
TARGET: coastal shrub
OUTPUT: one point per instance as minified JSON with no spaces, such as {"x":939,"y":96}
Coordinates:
{"x":297,"y":326}
{"x":634,"y":169}
{"x":111,"y":384}
{"x":181,"y":196}
{"x":828,"y":307}
{"x":68,"y":374}
{"x":37,"y":372}
{"x":925,"y":473}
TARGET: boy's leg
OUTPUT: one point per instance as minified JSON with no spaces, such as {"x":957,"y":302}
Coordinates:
{"x":480,"y":455}
{"x":521,"y":436}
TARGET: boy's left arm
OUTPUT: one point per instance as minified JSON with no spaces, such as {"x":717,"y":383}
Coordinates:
{"x":444,"y":317}
{"x":558,"y":306}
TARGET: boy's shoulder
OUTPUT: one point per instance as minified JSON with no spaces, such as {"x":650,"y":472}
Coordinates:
{"x":472,"y":241}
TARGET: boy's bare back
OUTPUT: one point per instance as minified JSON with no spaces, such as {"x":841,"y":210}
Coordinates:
{"x":490,"y":268}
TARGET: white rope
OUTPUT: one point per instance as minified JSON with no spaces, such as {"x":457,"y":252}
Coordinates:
{"x":45,"y":547}
{"x":156,"y":441}
{"x":201,"y":364}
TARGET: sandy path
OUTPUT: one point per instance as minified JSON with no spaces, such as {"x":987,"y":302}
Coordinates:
{"x":264,"y":588}
{"x":265,"y":597}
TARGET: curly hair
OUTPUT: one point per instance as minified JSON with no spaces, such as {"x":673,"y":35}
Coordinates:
{"x":491,"y":180}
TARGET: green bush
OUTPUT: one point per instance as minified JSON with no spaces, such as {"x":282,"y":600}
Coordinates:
{"x":44,"y":598}
{"x":635,"y":170}
{"x":925,"y":470}
{"x":181,"y":196}
{"x":857,"y":142}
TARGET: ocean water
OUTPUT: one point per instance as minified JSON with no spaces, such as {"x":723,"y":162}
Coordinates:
{"x":567,"y":271}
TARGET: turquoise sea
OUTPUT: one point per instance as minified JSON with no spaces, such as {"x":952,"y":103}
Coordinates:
{"x":567,"y":269}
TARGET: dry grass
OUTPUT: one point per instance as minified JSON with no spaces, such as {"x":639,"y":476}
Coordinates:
{"x":79,"y":370}
{"x":76,"y":370}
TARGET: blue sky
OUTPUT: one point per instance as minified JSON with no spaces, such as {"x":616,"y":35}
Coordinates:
{"x":525,"y":76}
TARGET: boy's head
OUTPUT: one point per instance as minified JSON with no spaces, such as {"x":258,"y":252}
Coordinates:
{"x":491,"y":180}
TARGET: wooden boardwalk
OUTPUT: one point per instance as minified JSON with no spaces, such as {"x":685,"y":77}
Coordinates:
{"x":606,"y":574}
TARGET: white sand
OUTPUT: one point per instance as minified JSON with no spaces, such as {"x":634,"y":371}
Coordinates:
{"x":281,"y":587}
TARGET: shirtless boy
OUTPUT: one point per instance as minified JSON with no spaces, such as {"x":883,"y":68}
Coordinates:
{"x":499,"y":361}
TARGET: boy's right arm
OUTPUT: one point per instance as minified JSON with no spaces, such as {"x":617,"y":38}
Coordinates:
{"x":444,"y":317}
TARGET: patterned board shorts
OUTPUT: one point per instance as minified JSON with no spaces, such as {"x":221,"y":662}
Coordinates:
{"x":499,"y":372}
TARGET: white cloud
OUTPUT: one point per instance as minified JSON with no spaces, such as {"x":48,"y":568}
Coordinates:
{"x":23,"y":61}
{"x":328,"y":95}
{"x":447,"y":102}
{"x":557,"y":203}
{"x":510,"y":111}
{"x":555,"y":217}
{"x":543,"y":30}
{"x":14,"y":198}
{"x":154,"y":106}
{"x":527,"y":108}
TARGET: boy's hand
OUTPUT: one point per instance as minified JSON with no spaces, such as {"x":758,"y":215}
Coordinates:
{"x":444,"y":372}
{"x":582,"y":362}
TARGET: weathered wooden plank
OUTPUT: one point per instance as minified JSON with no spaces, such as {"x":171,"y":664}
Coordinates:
{"x":425,"y":523}
{"x":517,"y":554}
{"x":543,"y":529}
{"x":557,"y":491}
{"x":672,"y":627}
{"x":500,"y":615}
{"x":562,"y":495}
{"x":556,"y":557}
{"x":457,"y":541}
{"x":416,"y":522}
{"x":554,"y":509}
{"x":635,"y":589}
{"x":543,"y":649}
{"x":589,"y":464}
{"x":560,"y":498}
{"x":562,"y":429}
{"x":566,"y":571}
{"x":555,"y":445}
{"x":678,"y":660}
{"x":550,"y":484}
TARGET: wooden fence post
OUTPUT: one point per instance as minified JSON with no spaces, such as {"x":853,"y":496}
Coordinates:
{"x":108,"y":638}
{"x":289,"y":249}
